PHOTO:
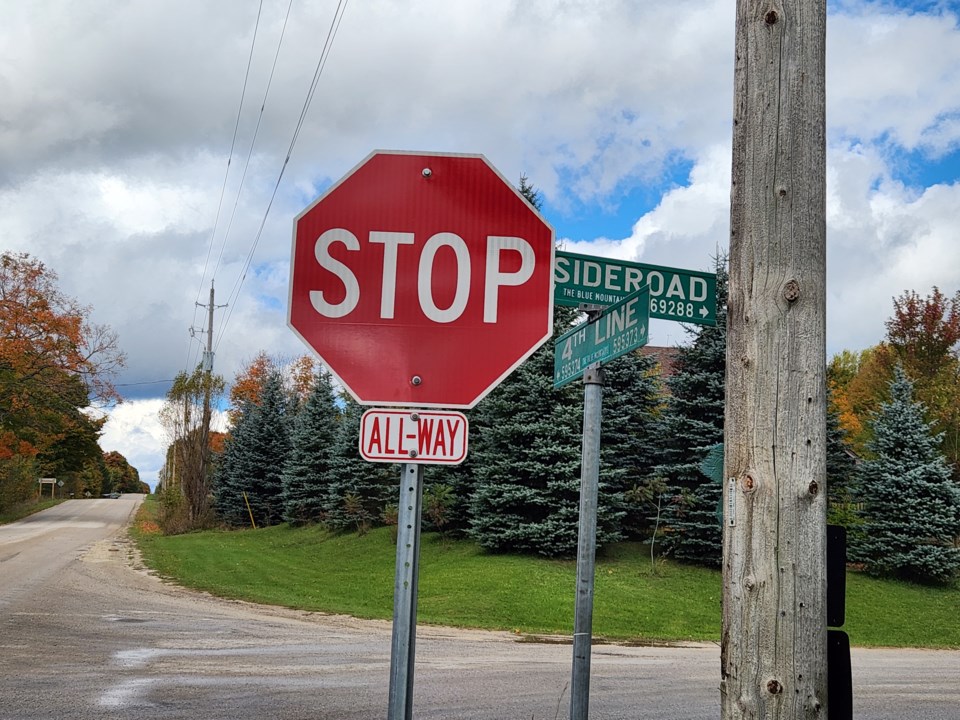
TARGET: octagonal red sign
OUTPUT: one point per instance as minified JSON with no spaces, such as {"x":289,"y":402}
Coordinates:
{"x":421,"y":279}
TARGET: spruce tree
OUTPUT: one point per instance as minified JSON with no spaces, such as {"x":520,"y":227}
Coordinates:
{"x":358,"y":491}
{"x":690,"y":425}
{"x":519,"y":489}
{"x":307,"y":474}
{"x":526,"y":462}
{"x":840,"y":470}
{"x":228,"y":479}
{"x":267,"y":440}
{"x":631,"y":401}
{"x":911,"y":506}
{"x":248,"y":476}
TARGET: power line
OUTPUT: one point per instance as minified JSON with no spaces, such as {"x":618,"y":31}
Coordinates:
{"x":321,"y":63}
{"x":142,"y":382}
{"x":253,"y":141}
{"x":226,"y":174}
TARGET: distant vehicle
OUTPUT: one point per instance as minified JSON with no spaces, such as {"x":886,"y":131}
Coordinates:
{"x":113,"y":495}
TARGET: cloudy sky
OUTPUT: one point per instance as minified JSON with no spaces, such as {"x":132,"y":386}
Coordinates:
{"x":118,"y":119}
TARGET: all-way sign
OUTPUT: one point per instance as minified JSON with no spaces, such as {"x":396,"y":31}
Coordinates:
{"x":683,"y":295}
{"x":413,"y":436}
{"x":621,"y":328}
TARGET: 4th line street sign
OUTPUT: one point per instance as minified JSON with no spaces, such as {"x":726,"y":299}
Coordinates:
{"x":621,"y":328}
{"x":682,"y":295}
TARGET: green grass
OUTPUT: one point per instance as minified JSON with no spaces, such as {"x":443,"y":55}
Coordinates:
{"x":21,"y":511}
{"x":313,"y":569}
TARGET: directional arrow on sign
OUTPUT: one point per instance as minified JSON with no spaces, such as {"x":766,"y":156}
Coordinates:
{"x":675,"y":294}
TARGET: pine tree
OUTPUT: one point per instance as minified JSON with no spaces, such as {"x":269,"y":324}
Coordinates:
{"x":911,"y":512}
{"x":840,"y":469}
{"x":359,"y":491}
{"x":307,"y":474}
{"x":254,"y":459}
{"x":691,"y":424}
{"x":631,"y":400}
{"x":228,"y":485}
{"x":526,"y":461}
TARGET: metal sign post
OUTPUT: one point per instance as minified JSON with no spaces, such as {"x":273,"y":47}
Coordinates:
{"x":417,"y":435}
{"x":403,"y":644}
{"x":586,"y":542}
{"x":608,"y":333}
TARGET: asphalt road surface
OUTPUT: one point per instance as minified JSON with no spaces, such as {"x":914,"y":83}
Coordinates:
{"x":87,"y":633}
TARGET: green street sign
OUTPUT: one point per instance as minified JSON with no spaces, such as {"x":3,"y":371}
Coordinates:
{"x":683,"y":295}
{"x":621,"y":328}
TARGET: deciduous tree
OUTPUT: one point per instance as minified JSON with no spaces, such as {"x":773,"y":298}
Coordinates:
{"x":189,"y":475}
{"x":53,"y":363}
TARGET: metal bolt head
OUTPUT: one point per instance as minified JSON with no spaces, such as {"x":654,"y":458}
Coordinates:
{"x":426,"y":172}
{"x":416,"y":380}
{"x":415,"y":417}
{"x":413,"y":453}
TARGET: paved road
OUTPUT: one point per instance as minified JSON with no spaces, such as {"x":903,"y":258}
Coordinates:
{"x":85,"y":633}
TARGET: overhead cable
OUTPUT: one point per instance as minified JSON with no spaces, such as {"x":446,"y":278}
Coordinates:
{"x":321,"y":63}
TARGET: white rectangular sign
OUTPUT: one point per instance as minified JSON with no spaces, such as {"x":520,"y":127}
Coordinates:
{"x":413,"y":436}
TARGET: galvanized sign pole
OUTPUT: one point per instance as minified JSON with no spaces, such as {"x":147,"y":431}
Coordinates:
{"x":403,"y":645}
{"x":586,"y":542}
{"x":608,"y":333}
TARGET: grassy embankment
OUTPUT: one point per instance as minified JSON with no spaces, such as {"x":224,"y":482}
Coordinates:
{"x":21,"y":511}
{"x":312,"y":569}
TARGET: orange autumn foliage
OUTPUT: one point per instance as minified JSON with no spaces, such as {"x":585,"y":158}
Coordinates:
{"x":41,"y":329}
{"x":53,"y":361}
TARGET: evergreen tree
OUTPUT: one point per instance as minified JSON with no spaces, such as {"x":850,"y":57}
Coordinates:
{"x":840,"y":469}
{"x":359,"y":492}
{"x":254,"y":459}
{"x":690,"y":425}
{"x":631,"y":401}
{"x":228,"y":485}
{"x":527,"y":451}
{"x":307,"y":474}
{"x":911,"y":513}
{"x":526,"y":460}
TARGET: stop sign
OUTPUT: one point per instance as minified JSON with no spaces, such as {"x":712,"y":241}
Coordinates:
{"x":421,"y":279}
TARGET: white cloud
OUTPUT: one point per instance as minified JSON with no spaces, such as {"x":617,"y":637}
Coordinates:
{"x":133,"y":429}
{"x":893,"y":76}
{"x":117,"y":119}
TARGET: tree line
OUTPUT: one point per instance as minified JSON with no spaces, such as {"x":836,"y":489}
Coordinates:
{"x":893,"y":450}
{"x":54,"y":364}
{"x":291,"y":456}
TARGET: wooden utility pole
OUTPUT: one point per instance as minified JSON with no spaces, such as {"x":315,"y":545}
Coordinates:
{"x":774,"y":640}
{"x":198,"y":489}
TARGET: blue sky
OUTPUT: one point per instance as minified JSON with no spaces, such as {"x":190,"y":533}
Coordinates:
{"x":118,"y":120}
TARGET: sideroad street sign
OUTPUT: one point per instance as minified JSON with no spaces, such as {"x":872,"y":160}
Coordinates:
{"x":683,"y":295}
{"x":622,"y":327}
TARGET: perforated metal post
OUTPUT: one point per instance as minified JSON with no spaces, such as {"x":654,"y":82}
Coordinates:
{"x":586,"y":543}
{"x":403,"y":645}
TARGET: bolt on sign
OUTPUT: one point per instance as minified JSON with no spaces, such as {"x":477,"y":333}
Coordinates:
{"x":683,"y":295}
{"x":418,"y":436}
